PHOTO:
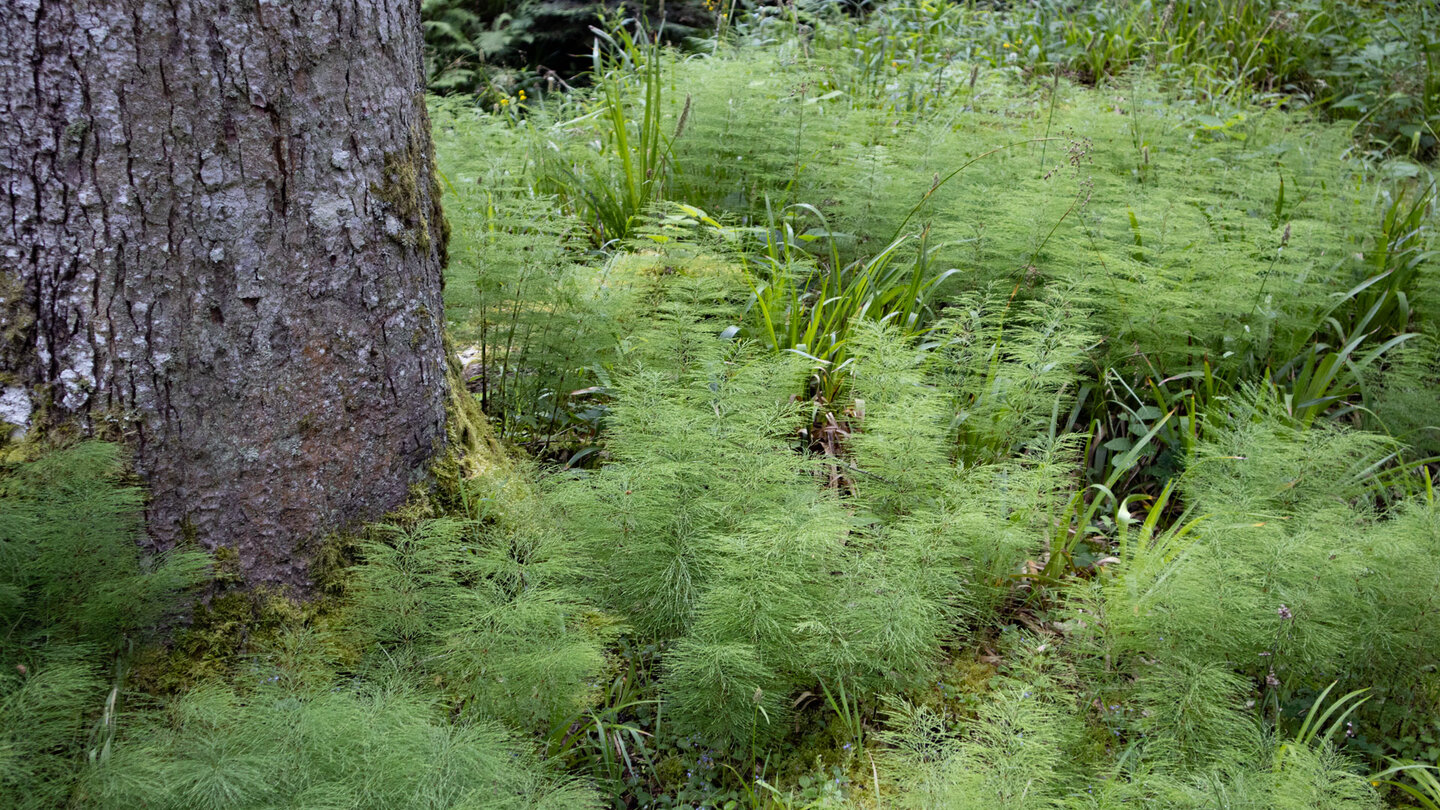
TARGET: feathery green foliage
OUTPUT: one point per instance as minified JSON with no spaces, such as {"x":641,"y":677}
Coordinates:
{"x":76,"y":595}
{"x":479,"y":606}
{"x":1014,"y":754}
{"x":484,"y":606}
{"x":949,"y":405}
{"x":377,"y":746}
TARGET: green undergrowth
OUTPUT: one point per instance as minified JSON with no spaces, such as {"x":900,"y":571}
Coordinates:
{"x":878,"y":421}
{"x":968,"y":436}
{"x":76,"y":595}
{"x":384,"y":692}
{"x":1198,"y":252}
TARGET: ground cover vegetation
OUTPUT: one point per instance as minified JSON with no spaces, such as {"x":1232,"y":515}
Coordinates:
{"x":931,"y":406}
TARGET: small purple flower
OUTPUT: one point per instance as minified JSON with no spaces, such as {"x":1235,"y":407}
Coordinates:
{"x":1285,"y":613}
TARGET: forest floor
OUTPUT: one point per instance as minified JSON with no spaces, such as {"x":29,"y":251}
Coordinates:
{"x":954,"y":407}
{"x":884,"y":392}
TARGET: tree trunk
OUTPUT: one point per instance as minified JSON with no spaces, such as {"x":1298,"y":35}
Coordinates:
{"x":222,"y":241}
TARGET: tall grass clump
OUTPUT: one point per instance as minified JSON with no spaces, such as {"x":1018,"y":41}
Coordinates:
{"x":809,"y":307}
{"x":630,"y":165}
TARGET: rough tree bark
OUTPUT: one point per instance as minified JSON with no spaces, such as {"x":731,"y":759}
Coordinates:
{"x":221,"y":240}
